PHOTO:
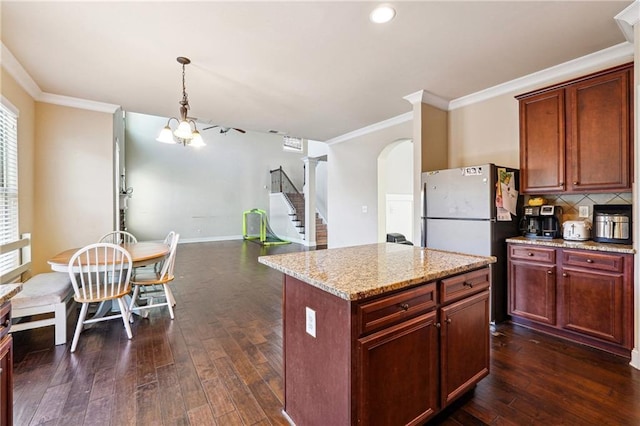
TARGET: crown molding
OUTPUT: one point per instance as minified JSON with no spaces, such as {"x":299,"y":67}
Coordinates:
{"x":422,"y":96}
{"x":22,"y":77}
{"x":627,"y":19}
{"x":620,"y":51}
{"x":402,"y":118}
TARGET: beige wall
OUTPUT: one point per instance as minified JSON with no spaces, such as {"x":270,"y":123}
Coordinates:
{"x":73,"y":175}
{"x":488,"y":132}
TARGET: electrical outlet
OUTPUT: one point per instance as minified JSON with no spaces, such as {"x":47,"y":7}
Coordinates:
{"x":364,"y":209}
{"x":311,"y":321}
{"x":584,"y":211}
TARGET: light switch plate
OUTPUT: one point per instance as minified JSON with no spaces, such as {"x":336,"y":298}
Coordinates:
{"x":583,"y":211}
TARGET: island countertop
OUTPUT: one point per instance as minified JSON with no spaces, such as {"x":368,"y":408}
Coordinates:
{"x":354,"y":273}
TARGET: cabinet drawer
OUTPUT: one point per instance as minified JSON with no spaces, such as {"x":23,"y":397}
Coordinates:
{"x":534,"y":254}
{"x":460,"y":286}
{"x":386,"y":311}
{"x":5,"y":319}
{"x":593,"y":260}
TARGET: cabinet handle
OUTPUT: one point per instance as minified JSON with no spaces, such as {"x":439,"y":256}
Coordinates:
{"x":468,"y":284}
{"x":436,"y":325}
{"x":561,"y":183}
{"x":575,"y":182}
{"x":404,"y":306}
{"x":0,"y":370}
{"x":529,"y":254}
{"x":564,"y":274}
{"x":549,"y":272}
{"x":589,"y":261}
{"x":7,"y":323}
{"x":448,"y":320}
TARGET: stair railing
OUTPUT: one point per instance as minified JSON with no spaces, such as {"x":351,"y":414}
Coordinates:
{"x":280,"y":182}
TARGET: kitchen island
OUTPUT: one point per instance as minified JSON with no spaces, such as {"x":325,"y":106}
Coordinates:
{"x":384,"y":334}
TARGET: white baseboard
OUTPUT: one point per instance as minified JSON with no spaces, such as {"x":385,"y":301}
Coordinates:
{"x":635,"y":358}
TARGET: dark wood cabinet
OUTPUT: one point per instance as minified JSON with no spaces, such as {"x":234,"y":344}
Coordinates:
{"x":464,"y":348}
{"x":6,"y":366}
{"x":596,"y":296}
{"x":532,"y":283}
{"x":408,"y":392}
{"x":393,"y":359}
{"x":588,"y":300}
{"x":576,"y":136}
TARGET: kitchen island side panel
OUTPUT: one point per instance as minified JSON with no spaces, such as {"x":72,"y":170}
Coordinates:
{"x":316,"y":369}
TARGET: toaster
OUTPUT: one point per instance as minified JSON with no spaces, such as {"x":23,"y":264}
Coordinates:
{"x":576,"y":230}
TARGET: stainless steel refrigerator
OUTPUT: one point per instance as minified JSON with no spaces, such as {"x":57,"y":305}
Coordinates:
{"x":459,"y":213}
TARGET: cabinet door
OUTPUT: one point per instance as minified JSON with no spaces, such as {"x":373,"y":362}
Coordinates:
{"x":592,"y":304}
{"x":464,"y":352}
{"x":6,"y":380}
{"x":542,"y":142}
{"x":598,"y":133}
{"x":397,"y":373}
{"x":532,"y":291}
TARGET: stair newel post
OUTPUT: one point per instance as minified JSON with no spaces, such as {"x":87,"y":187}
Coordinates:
{"x":310,"y":200}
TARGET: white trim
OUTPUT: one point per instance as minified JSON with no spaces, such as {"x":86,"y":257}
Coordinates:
{"x":78,"y":103}
{"x":8,"y":105}
{"x":17,"y":71}
{"x":635,"y":359}
{"x":422,"y":96}
{"x":402,"y":118}
{"x":620,"y":51}
{"x":627,"y":19}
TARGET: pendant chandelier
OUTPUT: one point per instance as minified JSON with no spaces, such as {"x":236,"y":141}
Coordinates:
{"x":184,"y":134}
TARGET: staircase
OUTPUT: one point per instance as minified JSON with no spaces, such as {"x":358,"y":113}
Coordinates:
{"x":297,"y":217}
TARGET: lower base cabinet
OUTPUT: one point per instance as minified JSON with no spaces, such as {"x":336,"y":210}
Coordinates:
{"x":6,"y":367}
{"x":582,"y":295}
{"x":395,"y":359}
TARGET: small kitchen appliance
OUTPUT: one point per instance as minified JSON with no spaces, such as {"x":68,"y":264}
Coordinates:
{"x":612,"y":223}
{"x":576,"y":230}
{"x":541,"y":221}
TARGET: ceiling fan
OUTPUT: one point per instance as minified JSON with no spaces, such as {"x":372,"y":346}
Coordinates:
{"x":224,"y":130}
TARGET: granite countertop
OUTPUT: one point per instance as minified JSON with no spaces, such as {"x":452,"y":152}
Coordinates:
{"x":582,"y":245}
{"x":7,"y":291}
{"x":354,"y":273}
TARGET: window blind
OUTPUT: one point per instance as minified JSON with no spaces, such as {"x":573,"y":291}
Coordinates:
{"x":8,"y":185}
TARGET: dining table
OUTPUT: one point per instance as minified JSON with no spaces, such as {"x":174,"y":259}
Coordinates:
{"x":142,"y":254}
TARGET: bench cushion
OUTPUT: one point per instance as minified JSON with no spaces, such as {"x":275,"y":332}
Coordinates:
{"x":43,"y":289}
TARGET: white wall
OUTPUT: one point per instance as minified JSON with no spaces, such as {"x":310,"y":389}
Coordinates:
{"x":353,"y":183}
{"x":318,"y":149}
{"x":200,"y":193}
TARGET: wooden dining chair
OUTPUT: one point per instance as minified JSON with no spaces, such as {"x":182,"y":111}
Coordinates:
{"x":99,"y":273}
{"x":118,"y":237}
{"x":146,"y":280}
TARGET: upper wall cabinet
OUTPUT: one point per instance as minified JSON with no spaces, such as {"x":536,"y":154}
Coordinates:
{"x":576,"y":137}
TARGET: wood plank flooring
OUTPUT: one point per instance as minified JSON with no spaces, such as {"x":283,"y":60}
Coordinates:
{"x":220,"y":362}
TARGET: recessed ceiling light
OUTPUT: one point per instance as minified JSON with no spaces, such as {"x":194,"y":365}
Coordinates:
{"x":382,"y":14}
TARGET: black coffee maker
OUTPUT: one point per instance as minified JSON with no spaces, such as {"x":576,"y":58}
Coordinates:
{"x":541,"y":222}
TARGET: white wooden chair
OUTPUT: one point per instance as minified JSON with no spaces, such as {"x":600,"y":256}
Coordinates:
{"x":149,"y":279}
{"x":118,"y":237}
{"x":100,"y":272}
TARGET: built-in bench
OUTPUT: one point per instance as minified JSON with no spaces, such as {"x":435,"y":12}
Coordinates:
{"x":46,"y":299}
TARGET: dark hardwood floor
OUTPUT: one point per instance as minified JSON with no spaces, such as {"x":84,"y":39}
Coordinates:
{"x":220,"y":362}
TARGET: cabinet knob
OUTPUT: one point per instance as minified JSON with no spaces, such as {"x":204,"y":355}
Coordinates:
{"x":448,"y":320}
{"x":436,"y":325}
{"x":468,"y":284}
{"x":0,"y":370}
{"x":575,"y":182}
{"x":404,"y":306}
{"x":564,"y":274}
{"x":561,"y":183}
{"x":529,"y":254}
{"x":589,"y":260}
{"x":549,"y":272}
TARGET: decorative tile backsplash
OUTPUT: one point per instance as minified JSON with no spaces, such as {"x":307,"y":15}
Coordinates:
{"x":570,"y":203}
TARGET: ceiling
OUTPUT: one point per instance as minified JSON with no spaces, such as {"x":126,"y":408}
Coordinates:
{"x":315,"y":70}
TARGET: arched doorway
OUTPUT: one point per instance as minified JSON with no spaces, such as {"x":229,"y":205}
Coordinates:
{"x":395,"y":189}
